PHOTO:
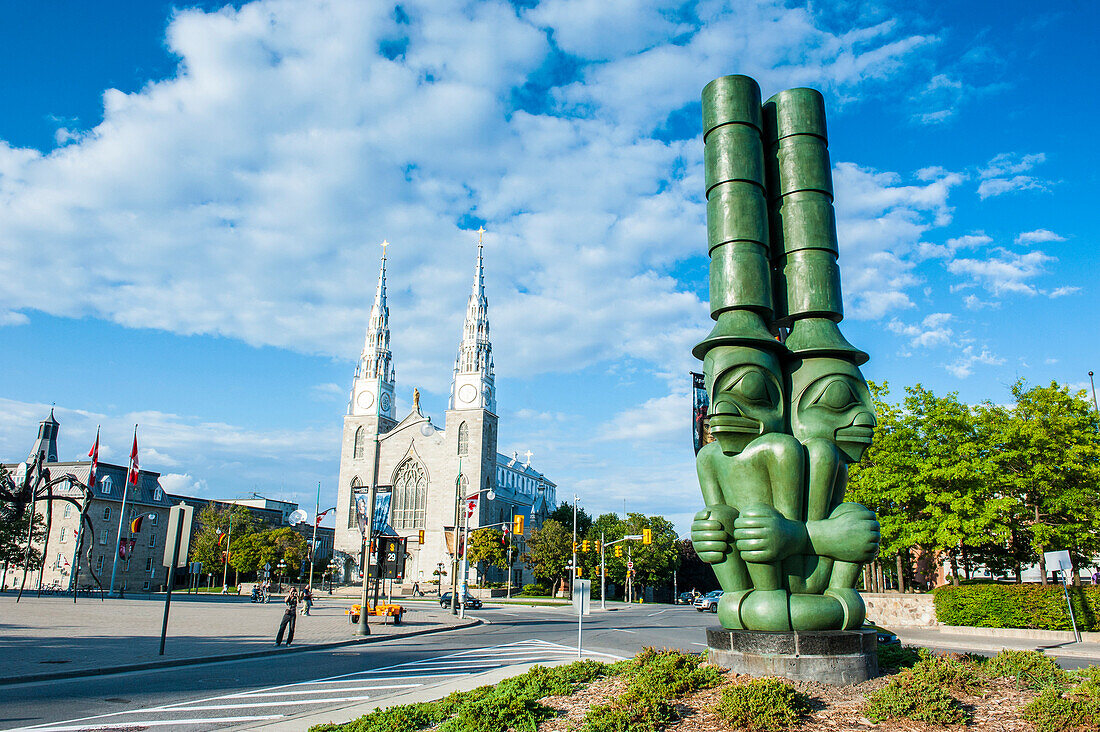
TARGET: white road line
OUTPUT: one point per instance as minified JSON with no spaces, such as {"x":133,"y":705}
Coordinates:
{"x":702,"y":645}
{"x":250,"y":694}
{"x":405,"y":676}
{"x":657,"y":613}
{"x":622,"y":630}
{"x":138,"y":724}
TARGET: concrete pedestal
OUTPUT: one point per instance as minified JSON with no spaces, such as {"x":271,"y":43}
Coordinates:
{"x":826,"y":656}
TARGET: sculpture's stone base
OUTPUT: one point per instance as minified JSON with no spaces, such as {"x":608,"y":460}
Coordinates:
{"x":826,"y":656}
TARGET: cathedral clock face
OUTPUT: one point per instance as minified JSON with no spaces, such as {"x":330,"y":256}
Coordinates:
{"x":365,"y":400}
{"x":385,"y":402}
{"x":467,"y":393}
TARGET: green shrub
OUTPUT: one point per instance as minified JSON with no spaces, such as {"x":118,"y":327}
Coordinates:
{"x":911,"y":696}
{"x":946,"y":672}
{"x":534,"y":591}
{"x":769,"y":705}
{"x":1057,"y":711}
{"x":656,"y":678}
{"x":1027,"y":668}
{"x":896,"y":656}
{"x":1088,"y":673}
{"x":991,"y":605}
{"x":513,"y":703}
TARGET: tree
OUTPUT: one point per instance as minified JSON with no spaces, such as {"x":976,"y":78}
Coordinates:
{"x":13,"y":532}
{"x":486,"y":545}
{"x":695,"y":574}
{"x":213,"y":522}
{"x":563,"y":514}
{"x":1046,"y":453}
{"x":653,"y":563}
{"x":549,"y":551}
{"x":250,"y":552}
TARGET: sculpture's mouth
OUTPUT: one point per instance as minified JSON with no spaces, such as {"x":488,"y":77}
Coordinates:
{"x":720,"y":423}
{"x":855,"y":433}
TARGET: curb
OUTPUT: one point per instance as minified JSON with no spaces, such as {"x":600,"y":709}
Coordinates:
{"x":169,"y":663}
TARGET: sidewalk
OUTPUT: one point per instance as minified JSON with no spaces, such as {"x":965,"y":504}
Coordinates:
{"x":992,"y":640}
{"x":51,"y":637}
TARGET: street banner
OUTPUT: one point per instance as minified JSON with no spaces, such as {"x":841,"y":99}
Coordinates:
{"x":132,"y":475}
{"x":700,"y":404}
{"x":361,"y":513}
{"x":471,"y":507}
{"x":94,"y":455}
{"x":126,"y":548}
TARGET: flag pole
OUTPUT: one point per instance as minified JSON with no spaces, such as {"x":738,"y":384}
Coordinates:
{"x":122,"y":515}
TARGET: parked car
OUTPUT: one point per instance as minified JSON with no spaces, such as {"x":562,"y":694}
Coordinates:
{"x":885,"y":637}
{"x":687,"y":598}
{"x":708,"y":601}
{"x":469,"y":601}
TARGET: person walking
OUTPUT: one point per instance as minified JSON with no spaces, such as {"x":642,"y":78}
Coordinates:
{"x":307,"y":600}
{"x":288,"y":619}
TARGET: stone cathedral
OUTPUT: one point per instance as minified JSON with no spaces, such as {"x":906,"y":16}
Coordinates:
{"x":421,"y":467}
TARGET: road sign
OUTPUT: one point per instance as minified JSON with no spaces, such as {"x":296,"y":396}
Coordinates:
{"x":630,"y":565}
{"x":267,"y":566}
{"x":1058,"y":561}
{"x":179,"y":523}
{"x":582,"y":596}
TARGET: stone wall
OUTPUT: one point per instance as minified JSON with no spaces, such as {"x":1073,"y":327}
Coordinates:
{"x":896,"y":610}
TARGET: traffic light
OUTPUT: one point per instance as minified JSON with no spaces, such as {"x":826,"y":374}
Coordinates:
{"x":575,"y":547}
{"x":517,"y":525}
{"x":421,"y":537}
{"x":618,"y":551}
{"x":647,"y":536}
{"x":584,"y":545}
{"x":578,"y":571}
{"x":597,"y":545}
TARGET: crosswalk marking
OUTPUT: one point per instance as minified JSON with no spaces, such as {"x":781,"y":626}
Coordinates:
{"x":354,"y":686}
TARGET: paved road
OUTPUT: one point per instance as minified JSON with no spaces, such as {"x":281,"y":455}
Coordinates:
{"x":229,"y":694}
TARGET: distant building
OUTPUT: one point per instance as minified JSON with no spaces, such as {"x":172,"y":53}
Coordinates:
{"x":420,"y":469}
{"x":143,"y":568}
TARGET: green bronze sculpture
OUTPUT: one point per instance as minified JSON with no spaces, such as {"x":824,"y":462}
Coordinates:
{"x":789,"y":408}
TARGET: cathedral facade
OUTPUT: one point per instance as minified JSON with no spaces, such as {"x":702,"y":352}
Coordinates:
{"x":426,"y":473}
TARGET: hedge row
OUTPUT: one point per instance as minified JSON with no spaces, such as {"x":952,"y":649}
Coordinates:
{"x":1018,"y":606}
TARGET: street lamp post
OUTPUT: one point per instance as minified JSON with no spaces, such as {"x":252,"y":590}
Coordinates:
{"x":466,"y":544}
{"x":281,"y":569}
{"x":1093,"y":385}
{"x":313,"y":546}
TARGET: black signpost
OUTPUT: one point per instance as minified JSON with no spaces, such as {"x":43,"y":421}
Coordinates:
{"x":175,"y":555}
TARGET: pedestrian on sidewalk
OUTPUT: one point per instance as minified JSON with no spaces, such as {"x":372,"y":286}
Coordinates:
{"x":288,"y":619}
{"x":307,"y":600}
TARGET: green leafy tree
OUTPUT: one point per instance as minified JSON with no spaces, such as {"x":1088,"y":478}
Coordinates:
{"x":549,"y":551}
{"x":251,"y":552}
{"x":653,"y":563}
{"x":214,"y":523}
{"x":1045,"y":450}
{"x":13,"y":532}
{"x":563,"y":514}
{"x":486,"y":545}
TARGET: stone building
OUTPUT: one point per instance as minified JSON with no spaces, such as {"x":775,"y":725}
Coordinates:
{"x":421,"y":469}
{"x":143,"y":568}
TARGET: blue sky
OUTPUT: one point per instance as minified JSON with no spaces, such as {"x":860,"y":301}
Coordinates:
{"x":192,"y":198}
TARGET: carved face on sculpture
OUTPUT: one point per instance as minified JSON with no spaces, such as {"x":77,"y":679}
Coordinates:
{"x":746,"y":395}
{"x":830,"y":400}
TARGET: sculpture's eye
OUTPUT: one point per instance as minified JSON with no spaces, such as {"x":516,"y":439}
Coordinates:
{"x":837,"y":396}
{"x":752,"y":387}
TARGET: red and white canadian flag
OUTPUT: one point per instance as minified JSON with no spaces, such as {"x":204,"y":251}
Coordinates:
{"x":94,"y":455}
{"x":471,"y":506}
{"x":132,"y":477}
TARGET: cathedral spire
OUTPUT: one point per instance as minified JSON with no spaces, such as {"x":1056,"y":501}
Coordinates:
{"x":374,"y":373}
{"x":472,"y":387}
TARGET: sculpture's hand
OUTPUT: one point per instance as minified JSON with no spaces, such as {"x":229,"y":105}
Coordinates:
{"x":850,"y":534}
{"x":712,"y":533}
{"x":763,"y":535}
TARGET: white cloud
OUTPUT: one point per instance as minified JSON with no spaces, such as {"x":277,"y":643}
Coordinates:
{"x":329,"y":392}
{"x":1004,"y":174}
{"x":1038,"y":236}
{"x":1005,"y":272}
{"x":1063,"y":291}
{"x":934,"y":330}
{"x":964,"y":365}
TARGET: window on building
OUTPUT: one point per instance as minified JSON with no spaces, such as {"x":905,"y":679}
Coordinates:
{"x":154,"y":518}
{"x":152,"y":539}
{"x":99,"y":563}
{"x":410,"y":494}
{"x":149,"y":564}
{"x":360,"y":440}
{"x":62,"y":534}
{"x":463,"y":439}
{"x":68,"y":510}
{"x":106,"y":484}
{"x":106,"y":513}
{"x":158,"y":494}
{"x":356,"y":484}
{"x":60,"y":561}
{"x":106,"y":537}
{"x":145,"y":585}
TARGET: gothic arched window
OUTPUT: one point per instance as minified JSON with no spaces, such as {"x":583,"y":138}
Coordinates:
{"x":463,"y":439}
{"x":410,"y":495}
{"x":356,"y":484}
{"x":357,"y":451}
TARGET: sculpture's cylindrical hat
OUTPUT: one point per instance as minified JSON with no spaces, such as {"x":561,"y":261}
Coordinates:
{"x":739,"y":328}
{"x":737,"y":216}
{"x":811,"y":337}
{"x":808,"y":286}
{"x":806,"y":220}
{"x":798,"y":111}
